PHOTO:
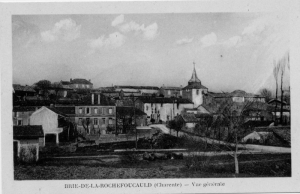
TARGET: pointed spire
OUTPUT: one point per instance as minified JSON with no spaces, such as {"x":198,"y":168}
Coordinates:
{"x":194,"y":76}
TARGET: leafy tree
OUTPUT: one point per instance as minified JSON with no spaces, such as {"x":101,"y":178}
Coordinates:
{"x":266,"y":93}
{"x":176,"y":124}
{"x":44,"y":86}
{"x":275,"y":74}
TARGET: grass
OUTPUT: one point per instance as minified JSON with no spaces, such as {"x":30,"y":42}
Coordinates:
{"x":266,"y":165}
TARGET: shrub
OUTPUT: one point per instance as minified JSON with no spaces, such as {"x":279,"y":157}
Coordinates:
{"x":27,"y":154}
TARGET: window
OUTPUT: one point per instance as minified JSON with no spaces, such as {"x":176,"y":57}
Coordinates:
{"x":80,"y":121}
{"x":147,"y":108}
{"x":95,"y":121}
{"x":80,"y":110}
{"x":110,"y":111}
{"x":110,"y":121}
{"x":103,"y":120}
{"x":20,"y":122}
{"x":87,"y":110}
{"x":96,"y":110}
{"x":169,"y":92}
{"x":197,"y":91}
{"x":101,"y":110}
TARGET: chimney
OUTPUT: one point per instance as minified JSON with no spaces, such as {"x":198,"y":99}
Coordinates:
{"x":98,"y":98}
{"x":92,"y":98}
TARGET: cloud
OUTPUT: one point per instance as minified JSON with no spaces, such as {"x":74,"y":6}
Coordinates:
{"x":113,"y":40}
{"x":232,"y":42}
{"x":118,"y":20}
{"x":209,"y":40}
{"x":66,"y":30}
{"x":184,"y":41}
{"x":149,"y":33}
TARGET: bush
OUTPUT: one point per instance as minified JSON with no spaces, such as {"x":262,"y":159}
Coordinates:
{"x":27,"y":154}
{"x":131,"y":158}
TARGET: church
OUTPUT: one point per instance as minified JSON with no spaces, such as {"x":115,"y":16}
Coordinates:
{"x":194,"y":91}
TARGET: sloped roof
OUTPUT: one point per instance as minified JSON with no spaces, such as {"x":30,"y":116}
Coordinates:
{"x":18,"y":87}
{"x":189,"y":117}
{"x":138,"y":87}
{"x":65,"y":82}
{"x":171,"y":88}
{"x":166,"y":100}
{"x":194,"y":77}
{"x":56,"y":111}
{"x":28,"y":132}
{"x":253,"y":124}
{"x":129,"y":111}
{"x":80,"y":81}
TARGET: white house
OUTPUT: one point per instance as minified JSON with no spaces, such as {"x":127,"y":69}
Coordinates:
{"x":49,"y":118}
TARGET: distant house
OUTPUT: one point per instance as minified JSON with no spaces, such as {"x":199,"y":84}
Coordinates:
{"x":189,"y":119}
{"x":21,"y":114}
{"x":80,"y":84}
{"x":27,"y":140}
{"x":21,"y":92}
{"x":143,"y":90}
{"x":95,"y":116}
{"x":164,"y":109}
{"x":50,"y":118}
{"x":170,"y":91}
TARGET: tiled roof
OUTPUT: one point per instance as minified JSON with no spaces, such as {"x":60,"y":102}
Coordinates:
{"x":18,"y":87}
{"x":166,"y":100}
{"x":80,"y":81}
{"x":251,"y":124}
{"x":28,"y":132}
{"x":24,"y":108}
{"x":189,"y":117}
{"x":129,"y":111}
{"x":139,"y":87}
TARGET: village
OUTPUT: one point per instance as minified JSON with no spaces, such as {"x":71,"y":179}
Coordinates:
{"x":134,"y":123}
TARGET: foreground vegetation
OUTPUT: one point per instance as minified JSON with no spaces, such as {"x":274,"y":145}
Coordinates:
{"x":262,"y":165}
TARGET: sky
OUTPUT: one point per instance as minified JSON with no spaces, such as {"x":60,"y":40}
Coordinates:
{"x":230,"y":50}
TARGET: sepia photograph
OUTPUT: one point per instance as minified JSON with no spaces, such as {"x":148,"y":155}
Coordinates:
{"x":129,"y":96}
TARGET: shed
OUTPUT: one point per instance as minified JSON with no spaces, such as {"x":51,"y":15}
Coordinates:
{"x":26,"y":142}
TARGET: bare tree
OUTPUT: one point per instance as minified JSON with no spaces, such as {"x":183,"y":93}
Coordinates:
{"x":282,"y":64}
{"x":266,"y":93}
{"x":233,"y":115}
{"x":275,"y":74}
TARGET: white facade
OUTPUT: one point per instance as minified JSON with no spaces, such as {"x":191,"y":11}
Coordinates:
{"x":49,"y":121}
{"x":166,"y":111}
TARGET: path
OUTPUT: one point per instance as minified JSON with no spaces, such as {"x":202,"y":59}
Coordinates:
{"x":260,"y":148}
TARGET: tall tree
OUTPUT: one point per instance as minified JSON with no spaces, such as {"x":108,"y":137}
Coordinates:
{"x":275,"y":74}
{"x":282,"y":63}
{"x":266,"y":93}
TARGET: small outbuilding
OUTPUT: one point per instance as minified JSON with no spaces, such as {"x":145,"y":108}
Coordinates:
{"x":27,"y":140}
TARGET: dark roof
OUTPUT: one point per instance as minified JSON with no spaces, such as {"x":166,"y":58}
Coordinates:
{"x":54,"y":109}
{"x":171,"y":88}
{"x":138,"y":87}
{"x":18,"y":87}
{"x":24,"y":108}
{"x":271,"y":108}
{"x":126,"y":102}
{"x":195,"y":86}
{"x":68,"y":110}
{"x":165,"y":100}
{"x":189,"y":117}
{"x":28,"y":132}
{"x":194,"y":78}
{"x":65,"y":82}
{"x":80,"y":81}
{"x":235,"y":93}
{"x":276,"y":100}
{"x":129,"y":111}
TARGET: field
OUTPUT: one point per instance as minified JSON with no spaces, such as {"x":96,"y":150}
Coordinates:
{"x":129,"y":166}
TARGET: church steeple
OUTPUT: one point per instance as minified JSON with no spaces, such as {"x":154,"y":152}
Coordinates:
{"x":194,"y":78}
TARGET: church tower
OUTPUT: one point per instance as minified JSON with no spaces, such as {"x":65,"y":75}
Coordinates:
{"x":194,"y":90}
